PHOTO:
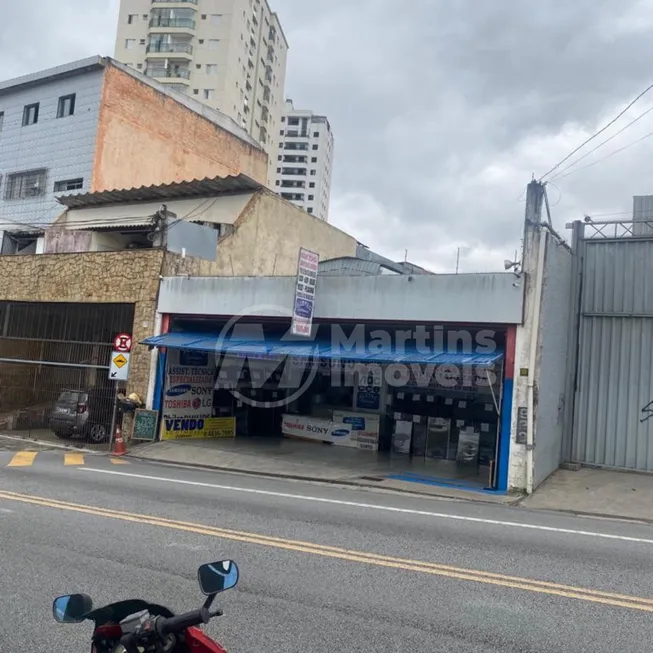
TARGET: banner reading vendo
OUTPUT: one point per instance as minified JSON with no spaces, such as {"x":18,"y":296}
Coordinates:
{"x":190,"y":379}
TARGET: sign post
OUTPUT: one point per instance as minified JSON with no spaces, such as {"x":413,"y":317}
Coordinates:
{"x":304,"y":302}
{"x":118,"y":371}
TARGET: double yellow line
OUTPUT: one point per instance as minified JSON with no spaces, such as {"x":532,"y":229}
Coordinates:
{"x":448,"y":571}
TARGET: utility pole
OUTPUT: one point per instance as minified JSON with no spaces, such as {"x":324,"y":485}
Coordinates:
{"x":533,"y":266}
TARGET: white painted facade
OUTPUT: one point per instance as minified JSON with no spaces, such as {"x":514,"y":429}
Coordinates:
{"x":305,"y":160}
{"x":229,"y":54}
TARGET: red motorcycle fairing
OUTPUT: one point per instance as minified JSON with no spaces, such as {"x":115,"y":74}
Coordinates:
{"x":198,"y":642}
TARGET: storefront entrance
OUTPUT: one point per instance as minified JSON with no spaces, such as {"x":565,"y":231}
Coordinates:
{"x":426,"y":416}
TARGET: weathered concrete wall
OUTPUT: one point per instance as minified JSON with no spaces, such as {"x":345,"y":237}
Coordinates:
{"x":146,"y":137}
{"x":267,"y":239}
{"x":552,"y":360}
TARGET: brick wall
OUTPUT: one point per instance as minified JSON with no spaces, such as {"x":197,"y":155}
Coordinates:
{"x":145,"y":137}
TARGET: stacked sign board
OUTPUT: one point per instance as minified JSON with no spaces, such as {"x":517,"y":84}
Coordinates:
{"x":302,"y":315}
{"x":120,"y":357}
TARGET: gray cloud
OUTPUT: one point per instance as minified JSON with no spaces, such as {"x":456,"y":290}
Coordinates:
{"x":440,"y":113}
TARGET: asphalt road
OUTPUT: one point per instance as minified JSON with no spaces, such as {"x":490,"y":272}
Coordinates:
{"x":322,"y":568}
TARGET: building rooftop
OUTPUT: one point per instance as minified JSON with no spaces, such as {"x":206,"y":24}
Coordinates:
{"x":91,"y":64}
{"x":162,"y":192}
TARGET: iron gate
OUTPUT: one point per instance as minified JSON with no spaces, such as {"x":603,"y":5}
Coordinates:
{"x":612,"y":346}
{"x":54,"y":362}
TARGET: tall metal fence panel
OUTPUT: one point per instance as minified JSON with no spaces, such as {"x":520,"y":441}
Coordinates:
{"x":613,"y":346}
{"x":54,"y":370}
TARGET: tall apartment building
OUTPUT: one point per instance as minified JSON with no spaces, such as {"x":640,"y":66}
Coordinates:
{"x":229,"y":54}
{"x":305,"y":160}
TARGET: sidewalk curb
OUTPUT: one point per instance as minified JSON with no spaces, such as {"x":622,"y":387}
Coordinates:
{"x":595,"y":515}
{"x":325,"y":481}
{"x":53,"y":445}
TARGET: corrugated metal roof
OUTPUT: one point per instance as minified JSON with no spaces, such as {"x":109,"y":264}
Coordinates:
{"x":281,"y":347}
{"x":163,"y":192}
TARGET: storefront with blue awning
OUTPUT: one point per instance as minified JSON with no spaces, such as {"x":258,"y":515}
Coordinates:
{"x":429,"y":400}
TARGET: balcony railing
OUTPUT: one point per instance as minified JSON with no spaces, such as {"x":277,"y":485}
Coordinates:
{"x":185,"y":48}
{"x":183,"y":23}
{"x":182,"y":73}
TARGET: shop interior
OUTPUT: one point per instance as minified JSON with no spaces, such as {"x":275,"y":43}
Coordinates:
{"x":444,"y":426}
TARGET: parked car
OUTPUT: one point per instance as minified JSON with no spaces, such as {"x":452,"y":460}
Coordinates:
{"x":82,"y":412}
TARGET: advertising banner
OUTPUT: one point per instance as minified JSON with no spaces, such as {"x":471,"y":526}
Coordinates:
{"x":365,"y":429}
{"x":369,"y":393}
{"x":304,"y":302}
{"x":190,"y":379}
{"x":313,"y":428}
{"x":192,"y":428}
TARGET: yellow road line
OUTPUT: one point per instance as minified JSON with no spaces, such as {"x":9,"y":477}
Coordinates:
{"x":458,"y":573}
{"x":23,"y":459}
{"x":73,"y":459}
{"x":119,"y":461}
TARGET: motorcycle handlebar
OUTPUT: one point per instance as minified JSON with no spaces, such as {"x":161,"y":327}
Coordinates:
{"x":179,"y":623}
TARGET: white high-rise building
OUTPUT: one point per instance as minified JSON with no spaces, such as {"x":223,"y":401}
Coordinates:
{"x":230,"y":54}
{"x":305,"y":160}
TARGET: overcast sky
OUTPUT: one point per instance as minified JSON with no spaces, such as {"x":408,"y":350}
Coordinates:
{"x":441,"y":114}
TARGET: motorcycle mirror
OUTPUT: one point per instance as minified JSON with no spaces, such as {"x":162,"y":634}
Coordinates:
{"x":71,"y":608}
{"x":217,"y":577}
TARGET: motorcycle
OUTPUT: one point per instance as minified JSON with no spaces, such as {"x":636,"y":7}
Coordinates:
{"x":136,"y":626}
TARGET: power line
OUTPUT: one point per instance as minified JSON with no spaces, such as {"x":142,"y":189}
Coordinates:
{"x":607,"y":156}
{"x":601,"y":144}
{"x":600,"y":131}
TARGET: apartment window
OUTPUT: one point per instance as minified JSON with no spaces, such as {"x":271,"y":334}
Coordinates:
{"x":281,"y":132}
{"x":311,"y":197}
{"x":311,"y":184}
{"x":315,"y":147}
{"x":215,"y":19}
{"x":66,"y":106}
{"x":293,"y":121}
{"x":214,"y":44}
{"x":316,"y":134}
{"x":198,"y":66}
{"x":313,"y":159}
{"x":211,"y":69}
{"x":283,"y":118}
{"x":132,"y":18}
{"x":2,"y":119}
{"x":279,"y":158}
{"x":201,"y":41}
{"x":139,"y":66}
{"x":68,"y":184}
{"x":203,"y":16}
{"x":130,"y":44}
{"x":276,"y":183}
{"x":313,"y":173}
{"x":142,"y":41}
{"x":208,"y":93}
{"x":30,"y":183}
{"x":30,"y":114}
{"x":146,"y":16}
{"x":278,"y":169}
{"x":309,"y":210}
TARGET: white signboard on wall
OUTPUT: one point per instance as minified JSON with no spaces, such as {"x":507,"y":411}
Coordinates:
{"x":304,"y":302}
{"x":190,"y":380}
{"x":314,"y":428}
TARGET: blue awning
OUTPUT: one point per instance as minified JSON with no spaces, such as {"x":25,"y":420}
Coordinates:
{"x":275,"y":347}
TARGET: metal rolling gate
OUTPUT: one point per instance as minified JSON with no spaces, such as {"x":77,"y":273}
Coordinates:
{"x":54,"y":363}
{"x":611,"y":345}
